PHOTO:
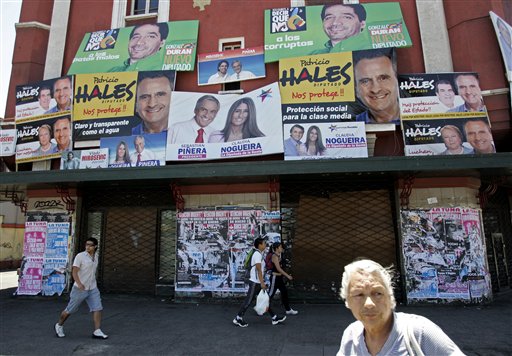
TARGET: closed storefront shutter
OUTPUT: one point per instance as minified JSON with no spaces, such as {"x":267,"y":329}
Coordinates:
{"x":327,"y":228}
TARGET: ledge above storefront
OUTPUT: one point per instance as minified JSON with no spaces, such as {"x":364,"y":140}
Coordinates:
{"x":479,"y":166}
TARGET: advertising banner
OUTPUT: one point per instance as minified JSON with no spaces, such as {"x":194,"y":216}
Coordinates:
{"x":120,"y":104}
{"x":31,"y":269}
{"x":504,"y":34}
{"x":55,"y":258}
{"x":84,"y":159}
{"x":135,"y":151}
{"x":206,"y":126}
{"x":212,"y":245}
{"x":444,"y":114}
{"x":47,"y":97}
{"x":7,"y":142}
{"x":444,"y":255}
{"x":230,"y":66}
{"x":40,"y":138}
{"x":319,"y":108}
{"x":301,"y":31}
{"x":160,"y":46}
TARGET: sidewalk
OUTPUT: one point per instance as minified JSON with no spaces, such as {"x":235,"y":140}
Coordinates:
{"x":153,"y":326}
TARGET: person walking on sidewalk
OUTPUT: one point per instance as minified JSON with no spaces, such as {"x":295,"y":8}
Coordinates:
{"x":84,"y":288}
{"x":277,"y":275}
{"x":256,"y":283}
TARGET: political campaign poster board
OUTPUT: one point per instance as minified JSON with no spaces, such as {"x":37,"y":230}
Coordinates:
{"x":319,"y":108}
{"x":437,"y":118}
{"x":40,"y":138}
{"x":230,"y":66}
{"x":504,"y":34}
{"x":147,"y":150}
{"x":106,"y":104}
{"x":34,"y":99}
{"x":84,"y":159}
{"x":444,"y":255}
{"x":161,"y":46}
{"x":299,"y":31}
{"x":212,"y":245}
{"x":7,"y":142}
{"x":233,"y":126}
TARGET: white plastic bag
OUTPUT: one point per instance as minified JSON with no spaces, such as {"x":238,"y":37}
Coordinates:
{"x":262,"y":302}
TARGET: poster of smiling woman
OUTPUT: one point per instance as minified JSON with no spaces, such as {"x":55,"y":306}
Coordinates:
{"x":206,"y":126}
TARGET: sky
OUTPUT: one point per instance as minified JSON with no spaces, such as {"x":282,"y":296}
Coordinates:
{"x":9,"y":15}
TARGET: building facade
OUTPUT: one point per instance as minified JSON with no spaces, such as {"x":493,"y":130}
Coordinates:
{"x":332,"y":211}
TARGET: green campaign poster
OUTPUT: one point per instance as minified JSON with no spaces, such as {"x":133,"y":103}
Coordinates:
{"x":333,"y":28}
{"x":157,"y":46}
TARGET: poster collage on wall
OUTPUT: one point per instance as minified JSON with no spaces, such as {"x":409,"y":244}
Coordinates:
{"x":444,"y":255}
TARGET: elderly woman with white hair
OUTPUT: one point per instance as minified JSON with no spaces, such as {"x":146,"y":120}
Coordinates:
{"x":367,"y":290}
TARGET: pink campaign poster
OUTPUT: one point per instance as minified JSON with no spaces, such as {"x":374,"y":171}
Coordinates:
{"x":31,"y":270}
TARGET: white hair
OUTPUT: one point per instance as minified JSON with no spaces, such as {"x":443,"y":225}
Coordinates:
{"x":371,"y":267}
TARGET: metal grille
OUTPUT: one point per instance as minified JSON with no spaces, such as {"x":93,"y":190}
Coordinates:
{"x":167,"y":252}
{"x":328,"y":225}
{"x":131,"y":227}
{"x":129,"y":255}
{"x":498,"y":233}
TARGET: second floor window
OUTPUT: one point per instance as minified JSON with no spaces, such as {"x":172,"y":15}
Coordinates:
{"x":140,"y":7}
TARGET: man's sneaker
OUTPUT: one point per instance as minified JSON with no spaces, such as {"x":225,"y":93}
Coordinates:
{"x":292,"y":312}
{"x":276,"y":319}
{"x":98,"y":334}
{"x":240,"y":322}
{"x":59,"y":330}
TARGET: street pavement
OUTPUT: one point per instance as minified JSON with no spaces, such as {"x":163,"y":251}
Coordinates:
{"x":139,"y":325}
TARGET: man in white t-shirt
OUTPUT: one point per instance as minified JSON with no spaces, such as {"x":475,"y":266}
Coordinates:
{"x":256,"y":283}
{"x":84,"y":289}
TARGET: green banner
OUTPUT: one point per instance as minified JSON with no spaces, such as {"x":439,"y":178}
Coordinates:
{"x":301,"y":31}
{"x":158,"y":46}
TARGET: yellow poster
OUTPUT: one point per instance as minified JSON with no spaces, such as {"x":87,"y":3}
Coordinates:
{"x":104,"y":95}
{"x":323,"y":78}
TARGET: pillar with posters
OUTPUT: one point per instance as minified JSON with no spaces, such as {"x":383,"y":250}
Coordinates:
{"x":444,"y":256}
{"x":45,"y":254}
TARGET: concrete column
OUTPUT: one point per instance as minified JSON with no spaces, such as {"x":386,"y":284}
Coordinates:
{"x":57,"y":39}
{"x":118,"y":13}
{"x":434,"y":36}
{"x":164,"y":7}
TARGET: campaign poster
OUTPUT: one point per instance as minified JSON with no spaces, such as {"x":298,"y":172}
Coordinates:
{"x":84,"y":159}
{"x":230,"y":66}
{"x":324,"y":140}
{"x":47,"y":97}
{"x":300,"y":31}
{"x":41,"y":138}
{"x":55,"y":258}
{"x":444,"y":255}
{"x":31,"y":269}
{"x":120,"y":104}
{"x":212,"y":245}
{"x":504,"y":34}
{"x":158,"y":46}
{"x":135,"y":151}
{"x":319,"y":108}
{"x":444,"y":114}
{"x":207,"y":126}
{"x":7,"y":142}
